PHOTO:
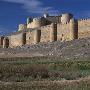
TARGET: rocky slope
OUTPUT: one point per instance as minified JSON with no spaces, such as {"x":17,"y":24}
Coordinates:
{"x":73,"y":49}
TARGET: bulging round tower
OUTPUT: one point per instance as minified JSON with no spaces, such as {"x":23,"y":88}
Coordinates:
{"x":22,"y":27}
{"x":65,"y":18}
{"x":73,"y":29}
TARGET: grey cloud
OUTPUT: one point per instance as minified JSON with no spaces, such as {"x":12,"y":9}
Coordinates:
{"x":33,"y":6}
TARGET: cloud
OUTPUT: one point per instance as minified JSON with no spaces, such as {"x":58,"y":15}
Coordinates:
{"x":34,"y":6}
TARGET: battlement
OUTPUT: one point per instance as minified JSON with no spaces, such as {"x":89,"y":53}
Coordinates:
{"x":84,"y":19}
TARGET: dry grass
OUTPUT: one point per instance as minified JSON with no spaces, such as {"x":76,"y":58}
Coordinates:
{"x":44,"y":74}
{"x":81,"y":84}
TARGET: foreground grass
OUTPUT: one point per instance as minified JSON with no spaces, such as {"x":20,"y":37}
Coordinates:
{"x":83,"y":84}
{"x":44,"y":74}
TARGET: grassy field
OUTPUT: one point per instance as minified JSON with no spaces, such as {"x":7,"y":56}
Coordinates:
{"x":42,"y":73}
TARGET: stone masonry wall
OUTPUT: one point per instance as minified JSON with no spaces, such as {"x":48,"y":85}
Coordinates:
{"x":45,"y":33}
{"x":84,"y":28}
{"x":30,"y":37}
{"x":16,"y":40}
{"x":63,"y":31}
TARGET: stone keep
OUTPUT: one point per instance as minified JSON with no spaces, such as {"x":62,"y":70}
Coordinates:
{"x":47,"y":29}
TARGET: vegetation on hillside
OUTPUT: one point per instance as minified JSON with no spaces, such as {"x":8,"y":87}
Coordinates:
{"x":41,"y":73}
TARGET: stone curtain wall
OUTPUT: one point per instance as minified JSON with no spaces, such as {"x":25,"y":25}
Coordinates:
{"x":63,"y":31}
{"x":30,"y":37}
{"x":84,"y":28}
{"x":45,"y":33}
{"x":16,"y":40}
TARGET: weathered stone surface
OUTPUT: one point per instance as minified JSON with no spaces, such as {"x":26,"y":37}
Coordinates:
{"x":64,"y":30}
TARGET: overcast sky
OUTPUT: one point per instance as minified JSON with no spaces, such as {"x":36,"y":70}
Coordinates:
{"x":14,"y":12}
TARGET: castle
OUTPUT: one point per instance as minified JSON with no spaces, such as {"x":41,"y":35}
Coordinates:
{"x":47,"y":29}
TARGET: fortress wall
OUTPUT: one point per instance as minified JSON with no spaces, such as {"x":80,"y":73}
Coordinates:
{"x":84,"y":28}
{"x":63,"y":31}
{"x":16,"y":40}
{"x":33,"y":36}
{"x":30,"y":37}
{"x":45,"y":33}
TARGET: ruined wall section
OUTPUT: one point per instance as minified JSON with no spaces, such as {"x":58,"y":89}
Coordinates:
{"x":84,"y":28}
{"x":16,"y":40}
